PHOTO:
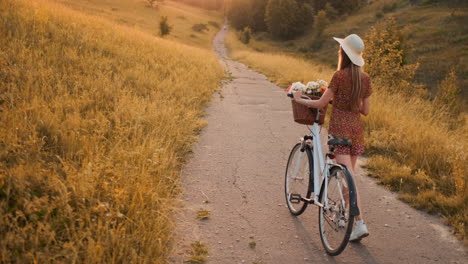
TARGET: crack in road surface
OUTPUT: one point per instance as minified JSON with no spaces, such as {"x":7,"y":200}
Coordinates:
{"x":236,"y":185}
{"x":250,"y":144}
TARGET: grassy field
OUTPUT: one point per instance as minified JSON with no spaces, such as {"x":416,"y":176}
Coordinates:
{"x":96,"y":120}
{"x":281,"y":67}
{"x":139,"y":15}
{"x":436,"y":36}
{"x":414,"y":146}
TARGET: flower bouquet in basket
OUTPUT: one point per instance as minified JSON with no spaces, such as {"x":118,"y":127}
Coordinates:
{"x":313,"y":90}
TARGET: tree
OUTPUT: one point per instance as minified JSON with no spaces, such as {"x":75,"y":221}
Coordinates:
{"x":320,"y":22}
{"x":320,"y":4}
{"x":238,"y":14}
{"x":283,"y":18}
{"x":245,"y":35}
{"x":257,"y":15}
{"x":385,"y":57}
{"x":306,"y":15}
{"x":346,"y":7}
{"x":332,"y":13}
{"x":164,"y":27}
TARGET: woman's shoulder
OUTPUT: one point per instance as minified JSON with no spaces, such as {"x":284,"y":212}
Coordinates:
{"x":340,"y":74}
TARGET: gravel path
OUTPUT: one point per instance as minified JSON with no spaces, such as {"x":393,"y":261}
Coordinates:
{"x":238,"y":165}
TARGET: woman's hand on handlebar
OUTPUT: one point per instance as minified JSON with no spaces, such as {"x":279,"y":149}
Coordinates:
{"x":297,"y":95}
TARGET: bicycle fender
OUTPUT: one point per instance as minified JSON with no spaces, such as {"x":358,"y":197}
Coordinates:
{"x":353,"y":209}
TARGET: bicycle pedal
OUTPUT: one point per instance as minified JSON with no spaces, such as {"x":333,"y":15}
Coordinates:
{"x":295,"y":198}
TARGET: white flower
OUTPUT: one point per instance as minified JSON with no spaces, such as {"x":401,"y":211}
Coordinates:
{"x":298,"y":86}
{"x":322,"y":83}
{"x":313,"y":86}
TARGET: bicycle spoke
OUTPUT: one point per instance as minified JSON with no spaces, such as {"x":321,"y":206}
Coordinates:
{"x":330,"y":221}
{"x":297,"y":178}
{"x":335,"y":222}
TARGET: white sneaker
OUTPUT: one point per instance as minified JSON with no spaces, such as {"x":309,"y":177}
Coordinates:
{"x":359,"y":232}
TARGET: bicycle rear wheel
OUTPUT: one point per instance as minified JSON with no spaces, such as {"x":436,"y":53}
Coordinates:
{"x":297,"y":178}
{"x":335,"y":221}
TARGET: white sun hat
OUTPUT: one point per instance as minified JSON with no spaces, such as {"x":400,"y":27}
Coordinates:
{"x":353,"y":46}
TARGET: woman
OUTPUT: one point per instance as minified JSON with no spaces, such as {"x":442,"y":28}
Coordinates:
{"x":350,"y":89}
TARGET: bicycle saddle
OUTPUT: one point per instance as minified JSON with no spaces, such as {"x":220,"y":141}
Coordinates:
{"x":334,"y":141}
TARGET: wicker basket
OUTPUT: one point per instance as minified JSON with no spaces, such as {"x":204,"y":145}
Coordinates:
{"x":305,"y":115}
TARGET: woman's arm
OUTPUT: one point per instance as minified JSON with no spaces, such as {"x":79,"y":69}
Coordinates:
{"x":321,"y":103}
{"x":365,"y":107}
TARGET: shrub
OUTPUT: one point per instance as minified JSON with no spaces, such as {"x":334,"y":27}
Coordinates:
{"x":200,"y":27}
{"x":214,"y":24}
{"x":387,"y":8}
{"x":448,"y":95}
{"x":330,"y":10}
{"x":317,"y":43}
{"x":245,"y":35}
{"x":164,"y":27}
{"x":385,"y":61}
{"x":320,"y":22}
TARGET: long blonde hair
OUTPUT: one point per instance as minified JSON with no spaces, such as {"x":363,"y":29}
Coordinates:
{"x":356,"y":76}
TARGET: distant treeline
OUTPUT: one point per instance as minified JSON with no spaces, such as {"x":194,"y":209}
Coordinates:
{"x":286,"y":19}
{"x":206,"y":4}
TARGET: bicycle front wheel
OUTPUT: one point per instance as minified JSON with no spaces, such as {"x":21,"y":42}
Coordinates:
{"x":335,"y":220}
{"x":297,"y":178}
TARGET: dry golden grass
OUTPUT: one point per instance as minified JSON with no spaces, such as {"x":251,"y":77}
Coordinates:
{"x":199,"y":252}
{"x":416,"y":148}
{"x":281,"y":68}
{"x":96,"y":120}
{"x":138,"y":14}
{"x":203,"y":214}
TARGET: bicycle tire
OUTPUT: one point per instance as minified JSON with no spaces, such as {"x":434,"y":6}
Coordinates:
{"x":330,"y":222}
{"x":303,"y":183}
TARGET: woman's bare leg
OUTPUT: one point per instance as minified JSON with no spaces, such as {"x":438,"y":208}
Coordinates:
{"x":353,"y":162}
{"x":345,"y":160}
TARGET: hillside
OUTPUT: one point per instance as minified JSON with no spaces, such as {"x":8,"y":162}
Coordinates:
{"x":96,"y":121}
{"x":435,"y":35}
{"x":139,"y":15}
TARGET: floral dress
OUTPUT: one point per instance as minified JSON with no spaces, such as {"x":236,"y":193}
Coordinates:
{"x":345,"y":123}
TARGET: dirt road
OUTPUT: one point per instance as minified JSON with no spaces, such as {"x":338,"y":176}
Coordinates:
{"x":238,"y":165}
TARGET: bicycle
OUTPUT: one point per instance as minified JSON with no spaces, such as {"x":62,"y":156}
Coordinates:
{"x":335,"y":197}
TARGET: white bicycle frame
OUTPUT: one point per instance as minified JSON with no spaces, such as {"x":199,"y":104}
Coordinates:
{"x":321,"y":168}
{"x":319,"y":163}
